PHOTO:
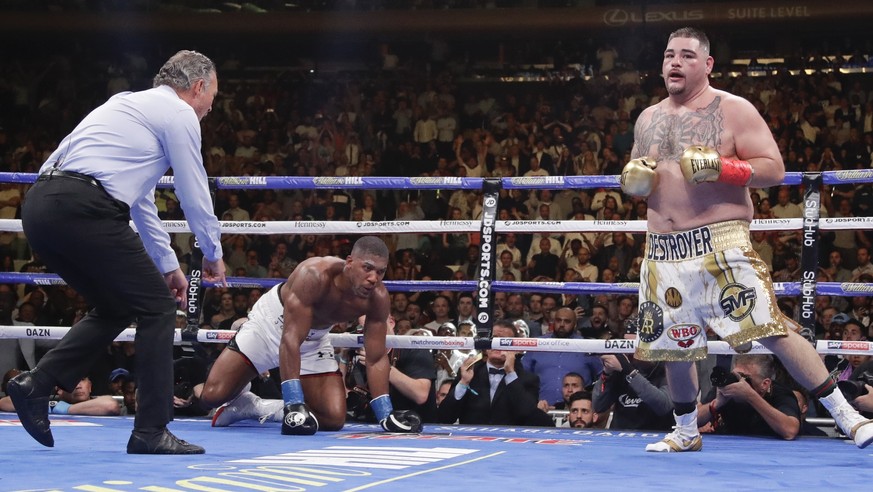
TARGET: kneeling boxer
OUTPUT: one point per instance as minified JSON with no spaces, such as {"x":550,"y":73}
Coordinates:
{"x":288,"y":326}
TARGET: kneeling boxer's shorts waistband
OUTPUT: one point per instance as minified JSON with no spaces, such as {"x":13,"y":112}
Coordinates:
{"x":696,"y":243}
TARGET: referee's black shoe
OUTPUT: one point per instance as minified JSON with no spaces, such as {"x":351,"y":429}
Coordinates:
{"x":30,"y":392}
{"x":159,"y":441}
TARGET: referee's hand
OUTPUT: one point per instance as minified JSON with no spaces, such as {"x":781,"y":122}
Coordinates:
{"x":214,"y":271}
{"x":178,"y":285}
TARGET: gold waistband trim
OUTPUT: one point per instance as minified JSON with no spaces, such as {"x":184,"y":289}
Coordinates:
{"x":696,"y":243}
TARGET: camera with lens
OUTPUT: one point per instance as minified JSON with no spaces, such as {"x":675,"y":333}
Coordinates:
{"x":721,"y":377}
{"x":853,"y":388}
{"x":183,"y":390}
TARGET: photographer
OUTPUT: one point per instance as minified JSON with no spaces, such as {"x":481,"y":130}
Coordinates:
{"x":748,"y":401}
{"x":636,"y":391}
{"x":859,"y":387}
{"x":411,"y":380}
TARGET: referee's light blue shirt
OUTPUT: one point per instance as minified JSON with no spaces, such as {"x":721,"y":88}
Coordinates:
{"x":128,"y":144}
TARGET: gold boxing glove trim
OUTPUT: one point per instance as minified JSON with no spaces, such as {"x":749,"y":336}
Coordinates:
{"x":638,"y":178}
{"x":703,"y":164}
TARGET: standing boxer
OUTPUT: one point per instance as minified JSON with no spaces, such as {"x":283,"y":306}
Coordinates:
{"x":695,"y":153}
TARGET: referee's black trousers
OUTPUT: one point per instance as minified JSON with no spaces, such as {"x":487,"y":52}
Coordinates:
{"x":84,"y":235}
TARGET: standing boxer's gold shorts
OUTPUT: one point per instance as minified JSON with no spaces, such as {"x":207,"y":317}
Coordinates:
{"x":709,"y":277}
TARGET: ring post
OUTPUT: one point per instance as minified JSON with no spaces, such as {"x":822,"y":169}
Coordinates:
{"x":487,"y":259}
{"x":809,"y":253}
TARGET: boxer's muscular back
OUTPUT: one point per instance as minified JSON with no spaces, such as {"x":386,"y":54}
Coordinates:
{"x":663,"y":132}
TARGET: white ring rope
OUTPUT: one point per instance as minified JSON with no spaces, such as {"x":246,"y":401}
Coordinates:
{"x":501,"y":226}
{"x":350,"y":340}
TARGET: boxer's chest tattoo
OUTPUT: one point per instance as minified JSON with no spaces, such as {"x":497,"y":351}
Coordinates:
{"x":668,"y":135}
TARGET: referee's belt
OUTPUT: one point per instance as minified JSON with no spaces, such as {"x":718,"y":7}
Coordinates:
{"x":57,"y":173}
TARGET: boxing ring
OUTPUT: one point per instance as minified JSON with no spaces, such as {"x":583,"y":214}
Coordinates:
{"x":248,"y":457}
{"x":251,"y":456}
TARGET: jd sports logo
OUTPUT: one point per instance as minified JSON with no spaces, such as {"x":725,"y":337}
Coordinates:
{"x":737,"y":301}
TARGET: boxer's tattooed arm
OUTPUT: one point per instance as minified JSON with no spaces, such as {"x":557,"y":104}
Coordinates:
{"x":671,"y":134}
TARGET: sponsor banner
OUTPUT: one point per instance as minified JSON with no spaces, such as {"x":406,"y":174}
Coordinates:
{"x":846,"y":223}
{"x":437,"y":181}
{"x":844,"y":347}
{"x":528,"y":226}
{"x":52,"y":333}
{"x":346,"y":182}
{"x":216,"y":335}
{"x":242,"y":182}
{"x":856,"y":288}
{"x":729,"y":13}
{"x":351,"y":340}
{"x":516,"y":342}
{"x":776,"y":224}
{"x":534,"y":181}
{"x":483,"y":294}
{"x":450,"y":437}
{"x":850,"y":176}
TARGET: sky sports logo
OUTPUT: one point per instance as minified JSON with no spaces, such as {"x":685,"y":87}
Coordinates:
{"x":849,"y":345}
{"x":512,"y":342}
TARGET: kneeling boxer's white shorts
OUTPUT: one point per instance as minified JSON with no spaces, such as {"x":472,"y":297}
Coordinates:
{"x":258,"y":339}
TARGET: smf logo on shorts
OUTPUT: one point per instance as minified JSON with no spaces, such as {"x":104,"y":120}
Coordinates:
{"x":651,"y":322}
{"x":737,"y":301}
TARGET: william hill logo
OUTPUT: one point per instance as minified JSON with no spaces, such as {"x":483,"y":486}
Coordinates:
{"x":336,"y":181}
{"x":243,"y":180}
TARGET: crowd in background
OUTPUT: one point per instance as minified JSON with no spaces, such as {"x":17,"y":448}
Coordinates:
{"x":393,"y":121}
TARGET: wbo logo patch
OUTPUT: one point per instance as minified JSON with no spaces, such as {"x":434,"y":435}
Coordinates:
{"x":737,"y":301}
{"x":684,"y":334}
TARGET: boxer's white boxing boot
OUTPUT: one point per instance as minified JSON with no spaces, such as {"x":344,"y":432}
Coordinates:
{"x":685,"y":436}
{"x":852,"y":423}
{"x":247,"y":406}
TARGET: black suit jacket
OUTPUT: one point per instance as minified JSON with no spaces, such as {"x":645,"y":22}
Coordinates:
{"x":513,"y":404}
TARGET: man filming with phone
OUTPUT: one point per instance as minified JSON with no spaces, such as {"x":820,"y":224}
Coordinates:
{"x":749,"y":401}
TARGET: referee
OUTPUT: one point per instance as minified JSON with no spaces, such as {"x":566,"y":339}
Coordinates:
{"x":76,"y":217}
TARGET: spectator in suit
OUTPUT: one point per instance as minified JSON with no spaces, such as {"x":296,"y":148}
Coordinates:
{"x":494,"y":391}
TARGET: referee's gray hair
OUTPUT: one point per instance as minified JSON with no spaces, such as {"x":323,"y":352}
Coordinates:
{"x":183,"y":69}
